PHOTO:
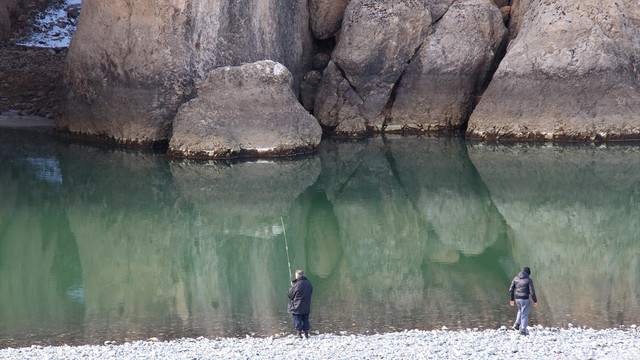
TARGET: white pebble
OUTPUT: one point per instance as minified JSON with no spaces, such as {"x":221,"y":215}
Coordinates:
{"x":570,"y":343}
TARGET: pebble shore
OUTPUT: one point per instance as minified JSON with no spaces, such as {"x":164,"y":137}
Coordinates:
{"x":503,"y":343}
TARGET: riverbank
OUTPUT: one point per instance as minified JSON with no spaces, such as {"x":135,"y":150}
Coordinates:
{"x":32,"y":123}
{"x":542,"y":343}
{"x":31,"y":80}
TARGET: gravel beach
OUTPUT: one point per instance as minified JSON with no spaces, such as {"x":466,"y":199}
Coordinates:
{"x":542,"y":343}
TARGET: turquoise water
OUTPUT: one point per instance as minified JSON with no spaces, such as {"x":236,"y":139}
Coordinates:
{"x":100,"y":244}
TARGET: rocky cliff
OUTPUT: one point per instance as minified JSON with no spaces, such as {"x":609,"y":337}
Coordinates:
{"x":502,"y":69}
{"x":132,"y":64}
{"x":570,"y":74}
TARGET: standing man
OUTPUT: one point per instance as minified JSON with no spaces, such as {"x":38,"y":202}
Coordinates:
{"x":300,"y":303}
{"x":521,"y":288}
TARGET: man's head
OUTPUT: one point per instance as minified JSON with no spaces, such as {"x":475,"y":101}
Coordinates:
{"x":527,"y":270}
{"x":299,"y":274}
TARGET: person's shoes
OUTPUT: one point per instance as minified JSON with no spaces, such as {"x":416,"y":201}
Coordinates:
{"x":524,"y":333}
{"x":306,"y":334}
{"x":300,"y":334}
{"x":516,"y":326}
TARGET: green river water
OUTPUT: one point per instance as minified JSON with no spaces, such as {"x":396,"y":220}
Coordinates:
{"x":102,"y":244}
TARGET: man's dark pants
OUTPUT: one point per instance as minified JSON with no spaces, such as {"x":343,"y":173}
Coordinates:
{"x":302,"y":322}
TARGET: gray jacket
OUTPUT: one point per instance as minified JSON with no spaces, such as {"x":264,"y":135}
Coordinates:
{"x":522,"y":287}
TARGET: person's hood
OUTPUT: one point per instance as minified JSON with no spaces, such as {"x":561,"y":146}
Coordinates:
{"x":523,"y":275}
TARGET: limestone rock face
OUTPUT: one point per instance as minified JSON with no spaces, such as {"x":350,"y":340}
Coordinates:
{"x":572,"y":73}
{"x":244,"y":110}
{"x":393,"y":70}
{"x":377,"y":41}
{"x":438,"y":89}
{"x":325,"y":17}
{"x":132,"y":64}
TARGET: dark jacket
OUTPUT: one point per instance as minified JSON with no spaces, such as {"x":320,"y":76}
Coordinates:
{"x":522,"y":287}
{"x":300,"y":296}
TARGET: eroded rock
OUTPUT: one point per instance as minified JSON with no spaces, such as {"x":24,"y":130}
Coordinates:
{"x":377,"y":42}
{"x":572,"y":73}
{"x":244,"y":110}
{"x":438,"y":90}
{"x":132,"y":64}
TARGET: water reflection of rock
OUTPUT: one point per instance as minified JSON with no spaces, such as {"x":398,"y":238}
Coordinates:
{"x":246,"y":198}
{"x":389,"y":247}
{"x":377,"y":224}
{"x":323,"y":243}
{"x":574,"y":216}
{"x":179,"y":248}
{"x":394,"y":232}
{"x":39,"y":263}
{"x":239,"y":260}
{"x":445,"y":189}
{"x":121,"y":208}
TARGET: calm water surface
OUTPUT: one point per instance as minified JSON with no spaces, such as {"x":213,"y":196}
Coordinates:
{"x":395,"y":233}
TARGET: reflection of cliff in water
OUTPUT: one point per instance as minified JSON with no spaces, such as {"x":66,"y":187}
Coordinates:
{"x":394,"y":233}
{"x":39,"y":261}
{"x":180,"y":248}
{"x":574,"y":216}
{"x":238,"y":260}
{"x":405,"y":208}
{"x":119,"y":206}
{"x":199,"y":245}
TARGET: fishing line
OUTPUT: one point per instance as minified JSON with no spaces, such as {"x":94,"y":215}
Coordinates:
{"x":286,"y":246}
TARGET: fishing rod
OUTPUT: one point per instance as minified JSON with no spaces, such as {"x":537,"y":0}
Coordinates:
{"x":286,"y":246}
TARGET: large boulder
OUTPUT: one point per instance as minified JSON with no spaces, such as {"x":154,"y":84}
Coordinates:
{"x":244,"y":110}
{"x":393,"y":71}
{"x":377,"y":41}
{"x":439,"y":88}
{"x":132,"y":64}
{"x":570,"y":74}
{"x":325,"y":17}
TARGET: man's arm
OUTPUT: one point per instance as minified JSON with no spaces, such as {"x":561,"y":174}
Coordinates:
{"x":532,"y":291}
{"x":511,"y":290}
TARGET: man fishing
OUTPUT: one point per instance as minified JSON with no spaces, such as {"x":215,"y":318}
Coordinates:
{"x":520,"y":289}
{"x":300,"y":303}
